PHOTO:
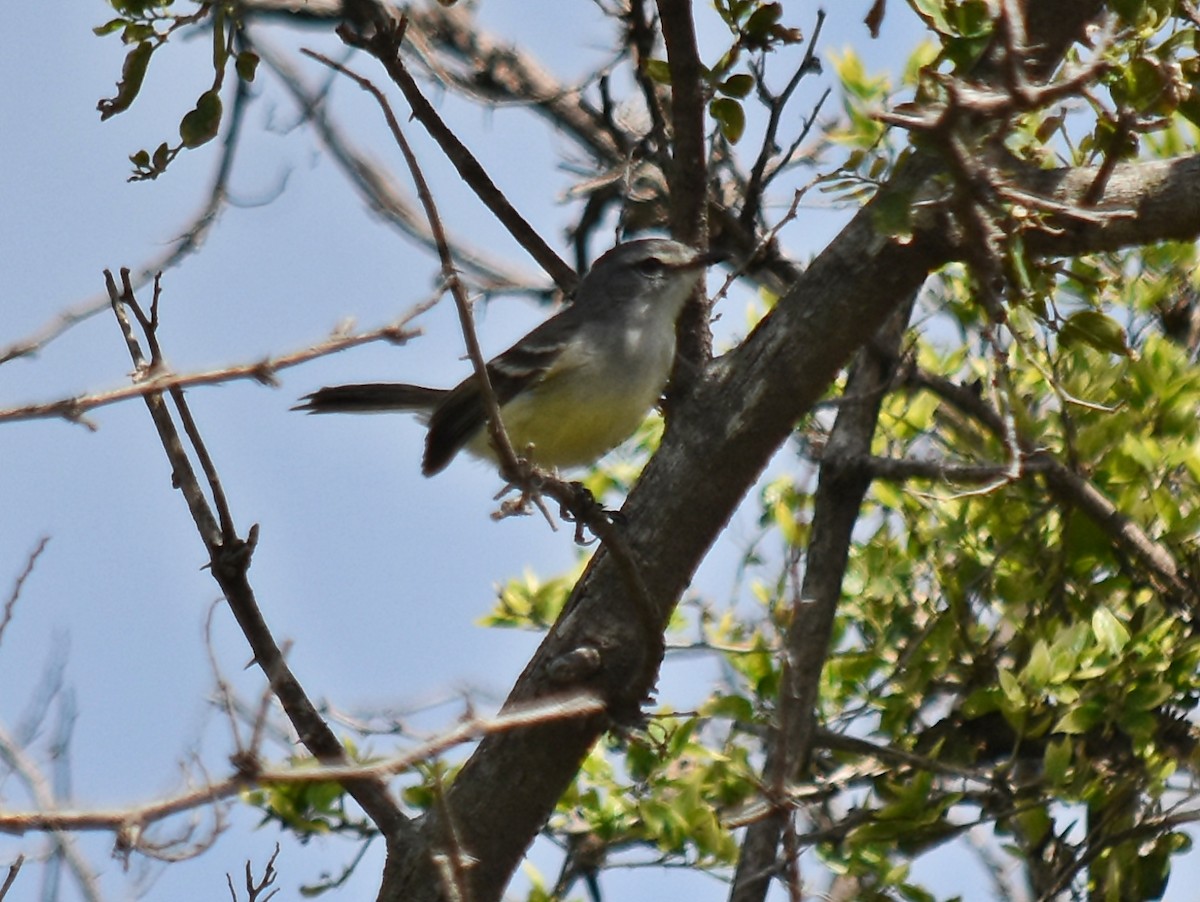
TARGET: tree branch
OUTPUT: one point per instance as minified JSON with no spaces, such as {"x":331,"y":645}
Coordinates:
{"x":160,"y":380}
{"x":742,"y":409}
{"x":385,"y":46}
{"x":1068,"y":484}
{"x":133,"y":820}
{"x":380,"y":191}
{"x":229,"y":558}
{"x":840,"y":491}
{"x":688,"y":179}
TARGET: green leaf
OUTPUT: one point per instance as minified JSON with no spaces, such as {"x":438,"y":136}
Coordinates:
{"x":246,"y":65}
{"x":1148,"y":697}
{"x":1035,"y":824}
{"x":933,"y":13}
{"x":737,"y":85}
{"x":132,"y":73}
{"x":893,"y":214}
{"x":201,"y":125}
{"x":1093,"y":328}
{"x":109,"y":27}
{"x":1036,"y":672}
{"x":1109,"y":631}
{"x":657,"y":70}
{"x":162,"y":156}
{"x":730,"y":117}
{"x":1011,"y":688}
{"x":759,"y":25}
{"x":972,"y":18}
{"x":136,"y":7}
{"x":734,"y":707}
{"x":1057,"y":759}
{"x":138,"y":31}
{"x":1080,"y":719}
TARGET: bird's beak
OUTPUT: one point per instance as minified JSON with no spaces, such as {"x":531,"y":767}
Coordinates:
{"x":709,"y":257}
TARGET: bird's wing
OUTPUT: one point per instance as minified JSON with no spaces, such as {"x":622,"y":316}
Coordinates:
{"x":461,"y":415}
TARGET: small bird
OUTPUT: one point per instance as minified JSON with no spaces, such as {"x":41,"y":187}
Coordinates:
{"x":574,"y":387}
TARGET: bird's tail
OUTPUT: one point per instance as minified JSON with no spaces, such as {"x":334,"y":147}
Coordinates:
{"x":372,"y":397}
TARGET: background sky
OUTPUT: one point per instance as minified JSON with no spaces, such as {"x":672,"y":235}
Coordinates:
{"x":375,"y":575}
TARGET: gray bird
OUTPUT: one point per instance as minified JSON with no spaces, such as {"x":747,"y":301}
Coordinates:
{"x":574,"y":387}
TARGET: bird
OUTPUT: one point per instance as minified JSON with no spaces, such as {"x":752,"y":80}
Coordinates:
{"x":575,"y":386}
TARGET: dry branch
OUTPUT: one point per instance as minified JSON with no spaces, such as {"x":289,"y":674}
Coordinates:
{"x":156,"y":380}
{"x":133,"y":820}
{"x":229,"y":557}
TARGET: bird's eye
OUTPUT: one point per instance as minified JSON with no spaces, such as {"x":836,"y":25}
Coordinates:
{"x":651,"y":266}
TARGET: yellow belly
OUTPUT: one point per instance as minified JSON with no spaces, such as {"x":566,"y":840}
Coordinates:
{"x":569,"y":424}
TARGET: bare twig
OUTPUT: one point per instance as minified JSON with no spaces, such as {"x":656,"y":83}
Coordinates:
{"x":998,"y":103}
{"x":891,"y":469}
{"x":510,"y":74}
{"x":43,"y":798}
{"x":136,"y":818}
{"x":11,"y":604}
{"x":229,"y":558}
{"x":642,"y":35}
{"x":385,"y":47}
{"x":510,"y":465}
{"x":225,"y":696}
{"x":254,"y":888}
{"x":757,"y":181}
{"x":157,"y":362}
{"x":149,"y":383}
{"x":380,"y":191}
{"x":13,"y":870}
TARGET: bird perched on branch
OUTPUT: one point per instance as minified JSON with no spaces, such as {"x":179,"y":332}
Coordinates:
{"x":574,"y":387}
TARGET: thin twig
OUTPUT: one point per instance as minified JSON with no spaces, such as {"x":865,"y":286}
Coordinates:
{"x":757,"y":182}
{"x":43,"y":799}
{"x":73,"y":409}
{"x":642,"y":36}
{"x":211,"y":476}
{"x":225,"y":697}
{"x":183,"y":474}
{"x":576,"y":705}
{"x":380,"y":191}
{"x":229,"y":560}
{"x":11,"y":604}
{"x":385,"y":46}
{"x":510,"y":465}
{"x":13,"y":870}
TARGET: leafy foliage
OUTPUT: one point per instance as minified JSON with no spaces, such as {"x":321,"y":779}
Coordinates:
{"x":1002,"y":663}
{"x":150,"y":25}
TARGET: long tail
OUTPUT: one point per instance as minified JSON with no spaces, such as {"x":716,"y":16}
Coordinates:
{"x":372,"y":397}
